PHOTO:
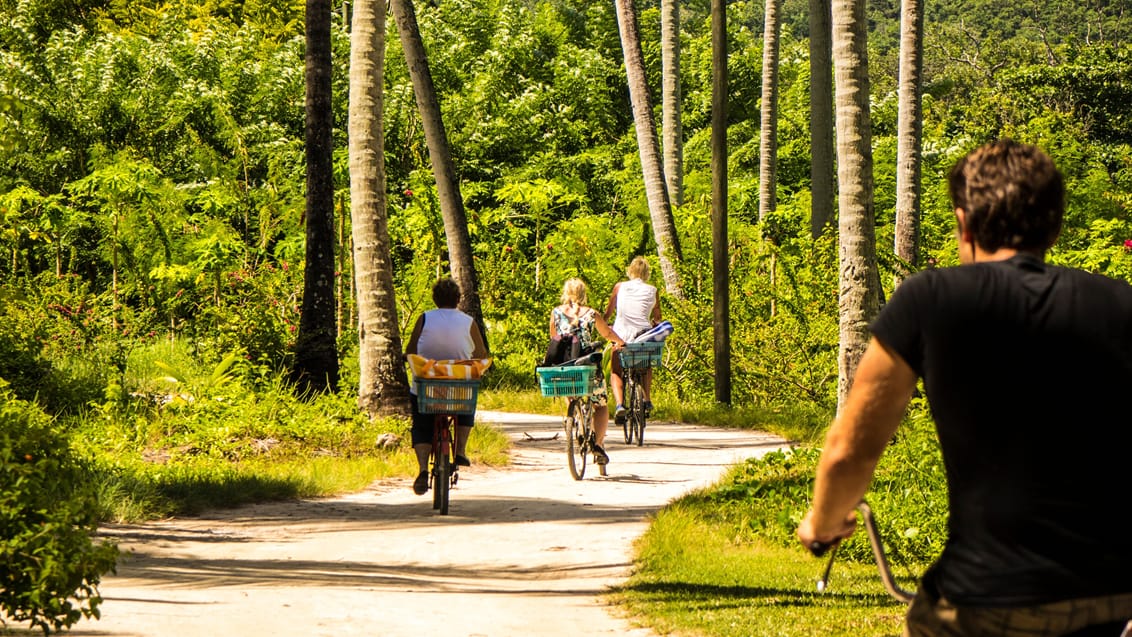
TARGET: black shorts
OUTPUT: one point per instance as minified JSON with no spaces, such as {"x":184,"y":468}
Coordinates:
{"x":423,"y":424}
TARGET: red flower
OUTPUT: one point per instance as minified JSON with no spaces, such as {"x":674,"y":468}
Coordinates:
{"x":1128,"y":245}
{"x":408,"y":193}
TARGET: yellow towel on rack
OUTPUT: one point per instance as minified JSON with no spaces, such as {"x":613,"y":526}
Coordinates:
{"x":464,"y":369}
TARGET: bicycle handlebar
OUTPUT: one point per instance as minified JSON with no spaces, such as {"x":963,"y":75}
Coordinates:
{"x":820,"y":548}
{"x":866,"y":514}
{"x":881,"y":559}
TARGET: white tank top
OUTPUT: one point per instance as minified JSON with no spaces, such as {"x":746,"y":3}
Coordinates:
{"x":635,"y":301}
{"x":447,"y":334}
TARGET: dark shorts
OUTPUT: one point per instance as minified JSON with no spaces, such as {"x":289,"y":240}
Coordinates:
{"x":423,"y":424}
{"x":932,"y":615}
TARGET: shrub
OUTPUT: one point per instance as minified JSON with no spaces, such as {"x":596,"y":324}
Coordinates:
{"x":50,"y":566}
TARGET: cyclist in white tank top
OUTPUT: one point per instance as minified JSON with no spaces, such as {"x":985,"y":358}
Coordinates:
{"x":441,"y":334}
{"x":637,"y":305}
{"x":446,"y":333}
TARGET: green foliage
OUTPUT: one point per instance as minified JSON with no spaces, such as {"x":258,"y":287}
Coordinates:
{"x":50,"y":565}
{"x":764,"y":499}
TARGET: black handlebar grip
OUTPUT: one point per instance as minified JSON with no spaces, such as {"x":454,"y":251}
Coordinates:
{"x":820,"y":548}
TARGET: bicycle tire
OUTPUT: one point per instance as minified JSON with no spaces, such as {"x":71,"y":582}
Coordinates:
{"x":636,"y":419}
{"x":443,"y":482}
{"x":577,"y":442}
{"x":626,"y":430}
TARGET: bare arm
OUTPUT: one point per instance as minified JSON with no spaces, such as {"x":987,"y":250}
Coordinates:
{"x":553,"y":326}
{"x":656,"y":309}
{"x":607,"y":332}
{"x":611,"y":307}
{"x":411,"y":348}
{"x":479,"y":348}
{"x":873,"y":409}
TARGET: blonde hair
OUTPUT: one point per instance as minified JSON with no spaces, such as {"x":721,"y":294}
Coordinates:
{"x":574,"y":292}
{"x":638,"y":269}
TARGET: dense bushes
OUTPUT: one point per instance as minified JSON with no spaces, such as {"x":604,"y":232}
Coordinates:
{"x":49,"y":565}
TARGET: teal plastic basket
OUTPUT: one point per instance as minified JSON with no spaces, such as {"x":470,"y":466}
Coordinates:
{"x":437,"y":396}
{"x":640,"y":355}
{"x":570,"y":380}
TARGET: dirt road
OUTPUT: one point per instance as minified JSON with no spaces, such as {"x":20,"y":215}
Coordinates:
{"x":525,"y":551}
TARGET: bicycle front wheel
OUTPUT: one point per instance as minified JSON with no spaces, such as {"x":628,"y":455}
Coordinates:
{"x":636,"y":420}
{"x":625,"y":429}
{"x":441,"y":483}
{"x":576,"y":442}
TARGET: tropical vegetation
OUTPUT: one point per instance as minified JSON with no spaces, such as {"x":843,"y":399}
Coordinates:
{"x":153,"y":194}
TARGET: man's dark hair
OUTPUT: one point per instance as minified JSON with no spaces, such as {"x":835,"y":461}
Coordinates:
{"x":1012,"y":194}
{"x":446,"y":293}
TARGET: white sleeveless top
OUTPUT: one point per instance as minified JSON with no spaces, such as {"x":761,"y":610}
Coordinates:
{"x":447,"y":333}
{"x":635,"y":301}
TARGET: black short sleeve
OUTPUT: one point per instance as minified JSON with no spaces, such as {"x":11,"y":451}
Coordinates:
{"x":900,"y":324}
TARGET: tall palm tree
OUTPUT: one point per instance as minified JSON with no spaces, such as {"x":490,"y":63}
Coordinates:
{"x":858,"y":280}
{"x":768,"y":138}
{"x":909,"y":133}
{"x":440,"y":154}
{"x":660,"y":208}
{"x":671,"y":126}
{"x":821,"y":117}
{"x":382,"y":385}
{"x":316,"y":346}
{"x":721,"y":290}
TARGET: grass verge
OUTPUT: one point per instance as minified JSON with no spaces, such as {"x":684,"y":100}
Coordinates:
{"x":132,"y":489}
{"x":802,"y":423}
{"x":692,"y":578}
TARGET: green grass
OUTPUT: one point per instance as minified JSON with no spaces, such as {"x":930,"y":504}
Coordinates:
{"x":131,"y":489}
{"x":693,"y":579}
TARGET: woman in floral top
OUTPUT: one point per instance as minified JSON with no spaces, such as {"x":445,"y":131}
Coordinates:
{"x":575,"y":316}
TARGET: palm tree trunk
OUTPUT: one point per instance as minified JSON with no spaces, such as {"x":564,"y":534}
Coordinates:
{"x":671,"y":126}
{"x":660,"y":208}
{"x":316,"y":346}
{"x":821,"y":117}
{"x":768,"y":139}
{"x":721,"y":290}
{"x":858,"y":277}
{"x":443,"y":169}
{"x":383,"y":388}
{"x":909,"y":129}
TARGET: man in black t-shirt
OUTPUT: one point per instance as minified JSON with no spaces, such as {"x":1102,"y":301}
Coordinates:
{"x":1025,"y":366}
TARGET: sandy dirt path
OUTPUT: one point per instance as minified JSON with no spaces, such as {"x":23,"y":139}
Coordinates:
{"x":525,"y":551}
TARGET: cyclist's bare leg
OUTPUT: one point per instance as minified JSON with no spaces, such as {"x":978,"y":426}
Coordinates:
{"x":616,"y":382}
{"x":648,"y":385}
{"x":601,"y":423}
{"x":462,"y":434}
{"x":423,"y":450}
